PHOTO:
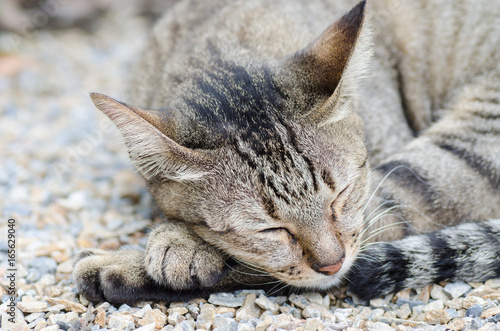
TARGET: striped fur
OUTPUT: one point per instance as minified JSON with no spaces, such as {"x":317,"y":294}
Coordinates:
{"x":273,"y":146}
{"x":467,"y":252}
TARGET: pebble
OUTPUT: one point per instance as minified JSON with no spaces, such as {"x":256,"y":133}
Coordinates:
{"x":378,"y":326}
{"x":226,"y":299}
{"x":121,"y":322}
{"x":32,"y":306}
{"x":470,"y":301}
{"x":206,"y":317}
{"x":453,"y":313}
{"x":248,"y":310}
{"x":437,"y":293}
{"x":490,"y":312}
{"x":314,"y":297}
{"x":455,"y":290}
{"x":147,"y":327}
{"x":313,"y":324}
{"x":68,"y":305}
{"x":141,"y":312}
{"x":434,"y":305}
{"x":474,"y":311}
{"x":158,"y":317}
{"x":263,"y":302}
{"x":404,"y":311}
{"x":411,"y":303}
{"x":437,"y":317}
{"x":493,"y":283}
{"x":222,"y":323}
{"x":298,"y":300}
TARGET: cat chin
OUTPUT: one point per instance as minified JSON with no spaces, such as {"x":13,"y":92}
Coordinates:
{"x":321,"y":282}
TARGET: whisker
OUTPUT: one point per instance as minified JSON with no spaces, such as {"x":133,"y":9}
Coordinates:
{"x":367,"y":218}
{"x":381,"y":182}
{"x":279,"y":289}
{"x":253,"y":284}
{"x":244,"y":272}
{"x":383,"y":229}
{"x":378,"y":217}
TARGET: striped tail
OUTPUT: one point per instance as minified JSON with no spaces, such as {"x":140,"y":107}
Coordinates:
{"x":468,"y":252}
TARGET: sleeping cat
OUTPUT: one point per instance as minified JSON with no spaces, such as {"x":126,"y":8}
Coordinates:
{"x":282,"y":149}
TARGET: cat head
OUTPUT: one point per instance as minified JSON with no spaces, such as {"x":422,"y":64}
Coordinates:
{"x":264,"y":160}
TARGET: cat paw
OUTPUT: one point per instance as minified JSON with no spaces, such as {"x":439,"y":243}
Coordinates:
{"x":178,"y":259}
{"x":114,"y":276}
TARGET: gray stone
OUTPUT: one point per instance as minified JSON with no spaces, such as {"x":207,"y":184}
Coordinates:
{"x":493,"y":283}
{"x":226,"y":299}
{"x":244,"y":293}
{"x":378,"y":303}
{"x":336,"y":326}
{"x":298,"y":300}
{"x":225,"y":324}
{"x":246,"y":326}
{"x":121,"y":322}
{"x":185,"y":326}
{"x":412,"y":303}
{"x":309,"y":312}
{"x":437,"y":293}
{"x":314,"y":297}
{"x":249,"y":310}
{"x":452,"y":312}
{"x":496,"y":318}
{"x":263,"y":302}
{"x":457,"y":289}
{"x":378,"y":326}
{"x":474,"y":311}
{"x":124,"y":308}
{"x":63,"y":325}
{"x":147,"y":327}
{"x":206,"y":317}
{"x":194,"y":310}
{"x":313,"y":324}
{"x":434,"y":305}
{"x":140,"y":313}
{"x":31,"y":317}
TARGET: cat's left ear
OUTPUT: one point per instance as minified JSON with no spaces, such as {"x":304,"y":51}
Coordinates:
{"x":331,"y":65}
{"x":150,"y":139}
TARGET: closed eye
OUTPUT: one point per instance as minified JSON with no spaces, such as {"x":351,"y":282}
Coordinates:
{"x":338,"y":203}
{"x":278,"y":230}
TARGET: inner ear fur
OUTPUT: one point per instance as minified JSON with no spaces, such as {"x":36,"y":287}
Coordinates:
{"x":149,"y":136}
{"x":330,"y":64}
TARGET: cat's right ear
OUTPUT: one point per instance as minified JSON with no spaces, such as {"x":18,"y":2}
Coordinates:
{"x":153,"y":152}
{"x":330,"y":66}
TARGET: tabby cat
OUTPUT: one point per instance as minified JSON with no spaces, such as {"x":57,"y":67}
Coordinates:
{"x":281,"y":154}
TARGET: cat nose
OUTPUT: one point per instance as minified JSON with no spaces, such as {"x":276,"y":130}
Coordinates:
{"x":331,"y":269}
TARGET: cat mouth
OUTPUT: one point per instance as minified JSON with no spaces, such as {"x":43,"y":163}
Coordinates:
{"x":318,"y":280}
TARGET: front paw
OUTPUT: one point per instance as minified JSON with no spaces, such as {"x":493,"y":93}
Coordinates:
{"x":178,"y":259}
{"x":114,"y":276}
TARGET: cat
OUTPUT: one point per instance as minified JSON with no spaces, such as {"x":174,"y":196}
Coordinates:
{"x":282,"y":148}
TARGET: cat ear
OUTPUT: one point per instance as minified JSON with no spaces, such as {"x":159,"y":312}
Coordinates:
{"x":332,"y":64}
{"x":153,"y":153}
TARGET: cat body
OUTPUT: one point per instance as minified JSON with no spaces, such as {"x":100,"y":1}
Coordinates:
{"x":267,"y":140}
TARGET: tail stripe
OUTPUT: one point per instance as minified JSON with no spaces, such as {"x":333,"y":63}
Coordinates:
{"x":468,"y":252}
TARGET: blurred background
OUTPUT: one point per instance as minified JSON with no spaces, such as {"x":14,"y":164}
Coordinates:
{"x":65,"y":177}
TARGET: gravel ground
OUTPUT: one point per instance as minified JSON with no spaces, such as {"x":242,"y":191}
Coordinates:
{"x":67,"y":184}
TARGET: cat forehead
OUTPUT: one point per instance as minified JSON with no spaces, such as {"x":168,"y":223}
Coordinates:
{"x":230,"y":97}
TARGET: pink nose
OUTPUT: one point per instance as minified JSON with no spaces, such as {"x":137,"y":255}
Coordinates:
{"x":331,"y":269}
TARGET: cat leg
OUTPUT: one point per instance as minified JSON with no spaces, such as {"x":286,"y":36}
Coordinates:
{"x":121,"y":277}
{"x":177,"y":258}
{"x":114,"y":276}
